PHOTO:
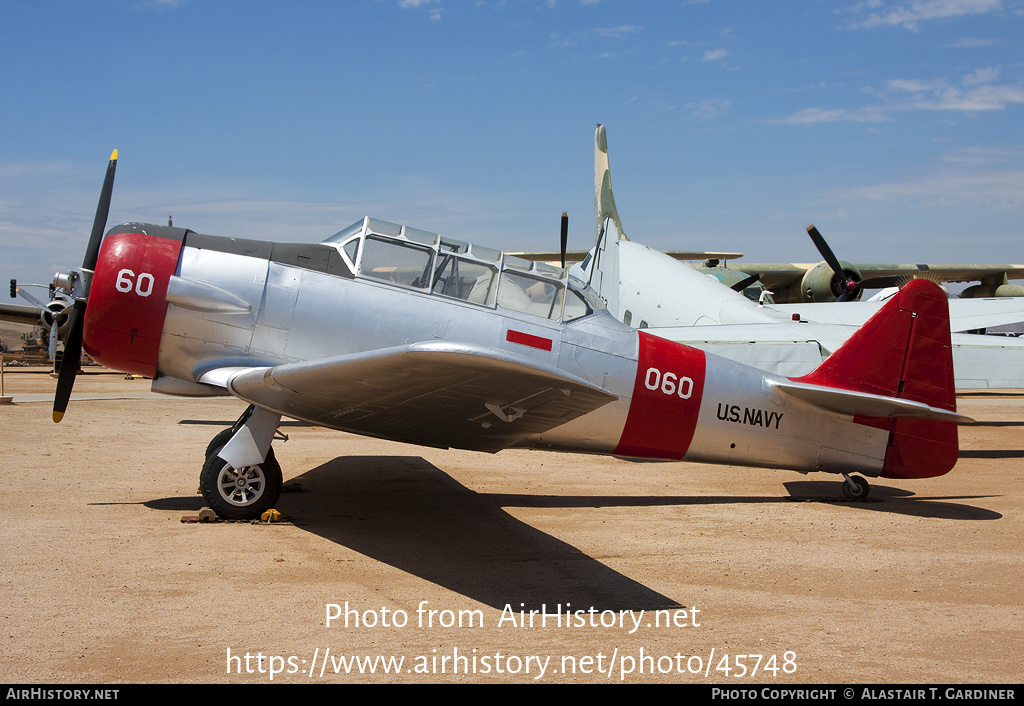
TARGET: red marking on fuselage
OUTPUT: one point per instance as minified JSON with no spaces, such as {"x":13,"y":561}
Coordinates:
{"x":127,"y":305}
{"x":528,"y":339}
{"x":667,"y":393}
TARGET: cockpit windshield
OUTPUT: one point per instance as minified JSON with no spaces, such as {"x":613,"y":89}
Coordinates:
{"x":453,"y":269}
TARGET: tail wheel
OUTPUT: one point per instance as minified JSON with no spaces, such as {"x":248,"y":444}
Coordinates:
{"x":240,"y":493}
{"x":856,"y":488}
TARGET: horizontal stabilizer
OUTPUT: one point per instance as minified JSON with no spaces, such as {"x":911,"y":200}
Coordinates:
{"x":866,"y":404}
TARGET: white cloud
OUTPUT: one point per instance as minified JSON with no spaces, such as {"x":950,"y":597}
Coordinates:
{"x":157,"y":5}
{"x":617,"y":32}
{"x":715,"y":54}
{"x":813,"y":116}
{"x":987,"y":75}
{"x":1000,"y":190}
{"x":435,"y":13}
{"x":983,"y":177}
{"x":975,"y":43}
{"x":709,"y":109}
{"x":985,"y":156}
{"x":911,"y":15}
{"x":977,"y":92}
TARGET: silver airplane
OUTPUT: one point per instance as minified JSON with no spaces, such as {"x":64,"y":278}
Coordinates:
{"x":393,"y":332}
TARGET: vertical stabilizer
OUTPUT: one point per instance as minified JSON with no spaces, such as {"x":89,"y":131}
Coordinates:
{"x":903,"y":351}
{"x":604,"y":202}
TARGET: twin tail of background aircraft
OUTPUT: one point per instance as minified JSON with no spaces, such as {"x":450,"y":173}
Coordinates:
{"x":401,"y":334}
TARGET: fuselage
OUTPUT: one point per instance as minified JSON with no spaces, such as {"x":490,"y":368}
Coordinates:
{"x":174,"y":305}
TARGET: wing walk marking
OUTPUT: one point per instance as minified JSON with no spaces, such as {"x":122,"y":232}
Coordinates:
{"x":513,"y":414}
{"x":527,"y":339}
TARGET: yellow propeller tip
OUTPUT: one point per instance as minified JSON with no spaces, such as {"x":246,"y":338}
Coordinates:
{"x":57,"y":416}
{"x":113,"y":156}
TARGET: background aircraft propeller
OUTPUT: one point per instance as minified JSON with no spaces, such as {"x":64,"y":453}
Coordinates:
{"x":848,"y":285}
{"x":53,"y":316}
{"x":73,"y":343}
{"x":745,"y":282}
{"x":565,"y":236}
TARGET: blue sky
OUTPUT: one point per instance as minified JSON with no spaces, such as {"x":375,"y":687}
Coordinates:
{"x":896,"y":127}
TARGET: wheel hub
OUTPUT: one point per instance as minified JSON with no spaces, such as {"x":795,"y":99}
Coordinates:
{"x":241,"y":487}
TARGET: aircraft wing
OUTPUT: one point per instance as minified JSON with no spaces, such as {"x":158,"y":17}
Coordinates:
{"x":19,"y":314}
{"x":434,"y":394}
{"x":964,"y":314}
{"x":782,"y":274}
{"x":578,"y":255}
{"x":777,"y":276}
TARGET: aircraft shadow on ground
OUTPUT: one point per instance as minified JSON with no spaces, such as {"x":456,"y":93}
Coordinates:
{"x":895,"y":500}
{"x":407,"y":513}
{"x":992,"y":453}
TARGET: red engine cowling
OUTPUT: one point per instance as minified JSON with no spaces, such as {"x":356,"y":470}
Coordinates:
{"x":124,"y":318}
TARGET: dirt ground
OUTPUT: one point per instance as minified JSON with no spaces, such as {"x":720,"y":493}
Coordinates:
{"x":432,"y":554}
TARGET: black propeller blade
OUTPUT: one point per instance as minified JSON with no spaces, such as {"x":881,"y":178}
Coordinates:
{"x":745,"y":282}
{"x":73,"y":343}
{"x":565,"y":235}
{"x":70,"y":363}
{"x":848,"y":286}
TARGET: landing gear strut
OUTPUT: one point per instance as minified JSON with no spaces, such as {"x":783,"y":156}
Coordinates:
{"x":855,"y":487}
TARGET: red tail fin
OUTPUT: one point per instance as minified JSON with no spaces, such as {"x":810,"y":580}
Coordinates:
{"x":903,"y":351}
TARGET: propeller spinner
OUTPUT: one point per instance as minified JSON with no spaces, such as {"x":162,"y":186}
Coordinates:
{"x":77,"y":282}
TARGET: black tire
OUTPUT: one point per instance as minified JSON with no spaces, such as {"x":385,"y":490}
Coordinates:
{"x":219,"y":442}
{"x":858,"y":493}
{"x":240,"y":494}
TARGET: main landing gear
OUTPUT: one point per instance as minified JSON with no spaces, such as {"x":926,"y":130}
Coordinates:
{"x":239,"y":493}
{"x":855,"y":487}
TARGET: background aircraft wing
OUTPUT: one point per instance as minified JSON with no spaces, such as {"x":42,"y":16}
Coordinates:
{"x":964,"y":314}
{"x":784,"y":273}
{"x":19,"y":314}
{"x":944,"y":273}
{"x":776,"y":277}
{"x":793,"y":349}
{"x":786,"y":279}
{"x":578,"y":255}
{"x":435,"y":394}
